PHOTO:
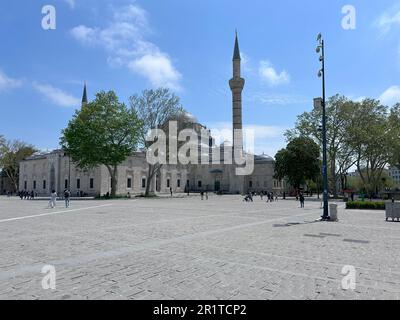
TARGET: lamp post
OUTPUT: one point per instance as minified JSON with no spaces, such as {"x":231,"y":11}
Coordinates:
{"x":69,"y":173}
{"x":321,"y":51}
{"x":320,"y":147}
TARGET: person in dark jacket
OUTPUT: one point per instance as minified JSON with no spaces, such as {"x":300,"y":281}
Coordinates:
{"x":302,"y":200}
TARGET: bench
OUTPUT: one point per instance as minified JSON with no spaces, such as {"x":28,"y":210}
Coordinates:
{"x":393,"y":211}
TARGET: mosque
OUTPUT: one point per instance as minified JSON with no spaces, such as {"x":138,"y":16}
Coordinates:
{"x":44,"y":172}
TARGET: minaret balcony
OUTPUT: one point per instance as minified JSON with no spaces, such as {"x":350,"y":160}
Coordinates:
{"x":237,"y":83}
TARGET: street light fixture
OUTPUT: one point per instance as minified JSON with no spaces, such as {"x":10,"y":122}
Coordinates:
{"x":321,"y":73}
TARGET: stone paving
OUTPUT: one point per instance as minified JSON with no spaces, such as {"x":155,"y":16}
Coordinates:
{"x":192,"y":249}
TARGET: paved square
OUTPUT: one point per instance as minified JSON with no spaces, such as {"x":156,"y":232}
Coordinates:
{"x":192,"y":249}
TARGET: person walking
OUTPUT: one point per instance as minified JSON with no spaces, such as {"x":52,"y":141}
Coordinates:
{"x":170,"y":190}
{"x":67,"y":197}
{"x":53,"y":199}
{"x":302,"y":200}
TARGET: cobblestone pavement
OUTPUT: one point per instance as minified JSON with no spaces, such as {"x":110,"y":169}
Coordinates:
{"x":192,"y":249}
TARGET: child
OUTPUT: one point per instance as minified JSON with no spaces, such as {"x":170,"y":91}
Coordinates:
{"x":53,"y":198}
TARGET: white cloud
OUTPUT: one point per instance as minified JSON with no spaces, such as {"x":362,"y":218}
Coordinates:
{"x":246,"y":65}
{"x":278,"y":99}
{"x":7,"y":83}
{"x":158,"y":69}
{"x":84,"y":34}
{"x":360,"y":99}
{"x":388,"y":20}
{"x":391,"y":96}
{"x":71,"y":3}
{"x":265,"y":132}
{"x":271,"y":76}
{"x":124,"y":40}
{"x":56,"y":95}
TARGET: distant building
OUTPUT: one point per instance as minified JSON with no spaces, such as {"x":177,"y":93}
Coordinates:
{"x":394,"y":173}
{"x":354,"y":174}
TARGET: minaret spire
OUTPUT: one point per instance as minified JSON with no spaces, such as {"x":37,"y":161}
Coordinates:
{"x":84,"y":96}
{"x":236,"y":52}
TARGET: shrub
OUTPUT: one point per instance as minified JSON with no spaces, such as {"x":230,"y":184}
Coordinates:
{"x":365,"y":205}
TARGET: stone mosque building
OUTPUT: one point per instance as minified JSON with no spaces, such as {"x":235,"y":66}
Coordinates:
{"x":54,"y":170}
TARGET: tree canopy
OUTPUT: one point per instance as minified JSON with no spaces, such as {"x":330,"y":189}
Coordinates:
{"x":155,"y":109}
{"x":11,"y":154}
{"x":104,"y":132}
{"x":363,"y":135}
{"x":299,"y":162}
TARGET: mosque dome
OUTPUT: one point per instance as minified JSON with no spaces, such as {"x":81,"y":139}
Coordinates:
{"x":263,"y":158}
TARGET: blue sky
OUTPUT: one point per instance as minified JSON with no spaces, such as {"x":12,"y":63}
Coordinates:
{"x":187,"y":45}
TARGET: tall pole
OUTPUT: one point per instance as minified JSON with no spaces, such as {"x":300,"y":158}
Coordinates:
{"x":325,"y":215}
{"x":69,"y":174}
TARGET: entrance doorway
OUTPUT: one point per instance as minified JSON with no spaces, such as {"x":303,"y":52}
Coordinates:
{"x":217,"y":186}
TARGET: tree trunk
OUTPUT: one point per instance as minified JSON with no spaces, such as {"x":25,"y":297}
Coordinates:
{"x":13,"y":178}
{"x":150,"y":175}
{"x":153,"y":169}
{"x":334,"y":179}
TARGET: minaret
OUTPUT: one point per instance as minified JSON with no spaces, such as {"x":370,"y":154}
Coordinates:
{"x":84,"y":96}
{"x":237,"y":85}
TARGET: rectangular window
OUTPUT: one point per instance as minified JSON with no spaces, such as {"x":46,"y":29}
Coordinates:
{"x":44,"y":184}
{"x":143,"y":183}
{"x":91,"y":183}
{"x":199,"y":184}
{"x":250,"y":184}
{"x":66,"y":184}
{"x":178,"y":183}
{"x":78,"y":183}
{"x":168,"y":183}
{"x":129,"y":183}
{"x":25,"y":185}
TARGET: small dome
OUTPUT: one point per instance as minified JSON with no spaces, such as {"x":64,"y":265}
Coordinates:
{"x":263,"y":158}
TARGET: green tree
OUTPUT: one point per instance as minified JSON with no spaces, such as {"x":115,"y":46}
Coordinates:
{"x":299,"y":162}
{"x":104,"y":132}
{"x":341,"y":154}
{"x":375,"y":137}
{"x":11,"y":154}
{"x":155,"y":108}
{"x":394,"y":134}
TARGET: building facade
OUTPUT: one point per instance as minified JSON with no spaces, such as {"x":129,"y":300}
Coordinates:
{"x":54,"y":170}
{"x":394,"y":173}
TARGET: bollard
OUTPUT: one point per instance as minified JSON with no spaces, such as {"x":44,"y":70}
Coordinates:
{"x":333,"y":212}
